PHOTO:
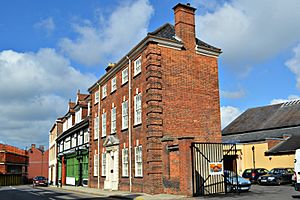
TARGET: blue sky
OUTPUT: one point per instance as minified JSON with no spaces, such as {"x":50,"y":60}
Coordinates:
{"x":50,"y":49}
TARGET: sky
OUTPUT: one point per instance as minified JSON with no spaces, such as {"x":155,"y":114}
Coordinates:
{"x":49,"y":49}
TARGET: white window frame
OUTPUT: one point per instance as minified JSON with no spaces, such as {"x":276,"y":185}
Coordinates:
{"x":95,"y":164}
{"x":78,"y":115}
{"x":96,"y":127}
{"x":114,"y":84}
{"x":138,"y":161}
{"x":70,"y":122}
{"x":67,"y":143}
{"x":86,"y":136}
{"x":103,"y":164}
{"x":80,"y":138}
{"x":103,"y":124}
{"x":138,"y":109}
{"x":97,"y":97}
{"x":125,"y":76}
{"x":137,"y":66}
{"x":124,"y":114}
{"x":125,"y":162}
{"x":74,"y":141}
{"x":104,"y":91}
{"x":113,"y":120}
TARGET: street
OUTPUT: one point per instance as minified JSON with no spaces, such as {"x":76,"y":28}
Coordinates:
{"x":26,"y":192}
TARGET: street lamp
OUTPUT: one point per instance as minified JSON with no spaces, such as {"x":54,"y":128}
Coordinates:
{"x":253,"y":155}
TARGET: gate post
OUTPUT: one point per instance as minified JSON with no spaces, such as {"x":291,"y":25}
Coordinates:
{"x":186,"y":183}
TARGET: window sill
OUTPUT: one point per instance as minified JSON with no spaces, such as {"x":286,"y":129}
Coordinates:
{"x":124,"y":130}
{"x":124,"y":176}
{"x":104,"y":97}
{"x":113,"y":91}
{"x":137,"y":75}
{"x":139,"y":177}
{"x":137,"y":125}
{"x":123,"y":84}
{"x":103,"y":136}
{"x":96,"y":103}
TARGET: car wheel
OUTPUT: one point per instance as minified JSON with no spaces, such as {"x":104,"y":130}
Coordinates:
{"x":279,"y":182}
{"x":228,"y":188}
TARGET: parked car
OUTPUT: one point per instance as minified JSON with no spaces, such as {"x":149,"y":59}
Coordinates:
{"x":277,"y":176}
{"x":40,"y":181}
{"x":235,"y":182}
{"x":253,"y":174}
{"x":297,"y":170}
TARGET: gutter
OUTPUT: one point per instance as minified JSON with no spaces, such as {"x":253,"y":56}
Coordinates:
{"x":129,"y":123}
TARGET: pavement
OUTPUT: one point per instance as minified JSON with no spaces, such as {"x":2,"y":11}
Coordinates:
{"x":118,"y":194}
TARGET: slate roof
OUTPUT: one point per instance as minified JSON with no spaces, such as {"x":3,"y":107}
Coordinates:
{"x":167,"y":31}
{"x":261,"y":123}
{"x":266,"y":118}
{"x":285,"y":147}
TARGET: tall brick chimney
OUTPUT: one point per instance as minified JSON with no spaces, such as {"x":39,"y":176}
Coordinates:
{"x":185,"y":24}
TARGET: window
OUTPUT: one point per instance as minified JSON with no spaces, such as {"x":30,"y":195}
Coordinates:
{"x":124,"y":115}
{"x":113,"y":84}
{"x":103,"y":124}
{"x":138,"y":161}
{"x":86,"y":136}
{"x":138,"y":109}
{"x":70,"y":121}
{"x":67,"y":143}
{"x":74,"y":141}
{"x":97,"y":97}
{"x":65,"y":126}
{"x":80,"y":138}
{"x":89,"y":108}
{"x":125,"y":76}
{"x":95,"y":164}
{"x":137,"y":66}
{"x":61,"y":146}
{"x":125,"y":162}
{"x":78,"y":115}
{"x":96,"y":127}
{"x":103,"y":172}
{"x":113,"y":120}
{"x":104,"y":91}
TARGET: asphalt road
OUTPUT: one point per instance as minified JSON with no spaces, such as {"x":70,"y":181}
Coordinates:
{"x":259,"y":192}
{"x":26,"y":192}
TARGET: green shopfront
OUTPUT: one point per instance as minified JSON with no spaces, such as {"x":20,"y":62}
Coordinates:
{"x":73,"y":157}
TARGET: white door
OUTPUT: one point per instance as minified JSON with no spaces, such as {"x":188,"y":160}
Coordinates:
{"x":112,"y":177}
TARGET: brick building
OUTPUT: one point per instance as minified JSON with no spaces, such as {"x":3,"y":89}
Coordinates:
{"x":73,"y":143}
{"x":55,"y":130}
{"x":148,"y":108}
{"x":38,"y":162}
{"x":13,"y":160}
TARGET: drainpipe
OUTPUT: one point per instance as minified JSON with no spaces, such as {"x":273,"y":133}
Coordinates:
{"x":129,"y":122}
{"x":98,"y":171}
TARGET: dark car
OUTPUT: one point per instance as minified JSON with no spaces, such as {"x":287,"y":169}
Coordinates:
{"x":235,"y":182}
{"x":253,"y":174}
{"x":277,"y":176}
{"x":40,"y":181}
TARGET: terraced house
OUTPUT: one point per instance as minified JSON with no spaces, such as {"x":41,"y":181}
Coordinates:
{"x":149,"y":107}
{"x":73,"y":143}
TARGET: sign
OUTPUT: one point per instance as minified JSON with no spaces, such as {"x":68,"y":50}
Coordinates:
{"x":215,"y":168}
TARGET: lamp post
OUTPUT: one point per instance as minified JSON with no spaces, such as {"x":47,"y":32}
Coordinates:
{"x":253,"y":156}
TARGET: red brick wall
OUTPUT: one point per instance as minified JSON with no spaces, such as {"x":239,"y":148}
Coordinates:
{"x":180,"y":101}
{"x":38,"y":163}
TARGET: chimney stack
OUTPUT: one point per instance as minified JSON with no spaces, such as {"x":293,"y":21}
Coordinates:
{"x":185,"y":24}
{"x":32,"y":146}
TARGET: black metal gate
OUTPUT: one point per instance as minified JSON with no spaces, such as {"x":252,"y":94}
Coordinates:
{"x":210,"y":161}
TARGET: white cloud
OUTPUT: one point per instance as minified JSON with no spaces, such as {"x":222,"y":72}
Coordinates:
{"x":294,"y":64}
{"x":228,"y":114}
{"x":251,"y":31}
{"x":47,"y":25}
{"x":233,"y":94}
{"x":124,"y":28}
{"x":290,"y":98}
{"x":35,"y":88}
